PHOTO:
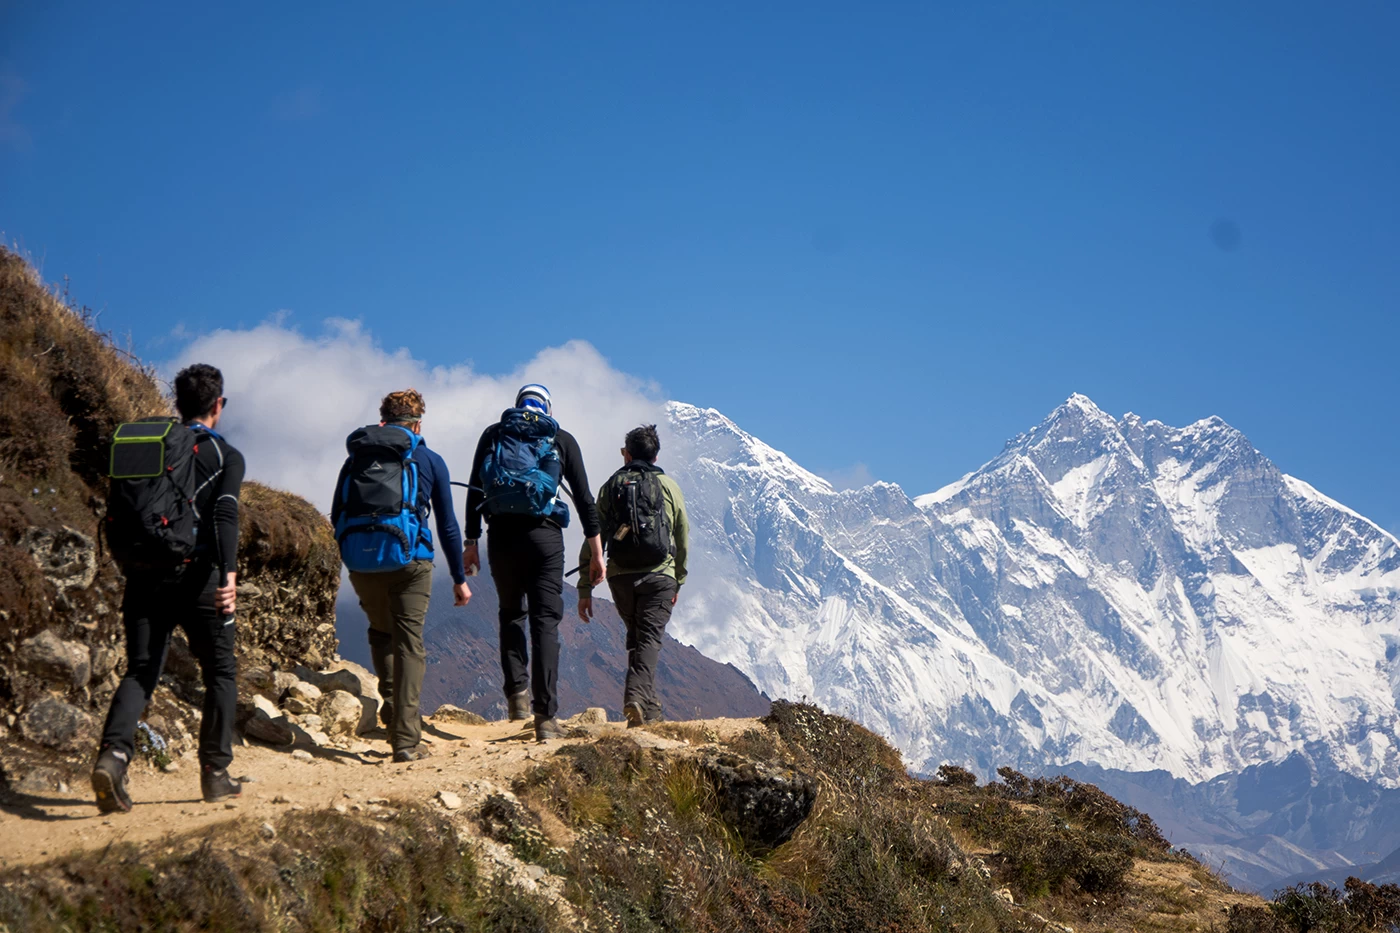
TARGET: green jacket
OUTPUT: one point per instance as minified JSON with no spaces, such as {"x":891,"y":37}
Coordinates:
{"x":673,"y":566}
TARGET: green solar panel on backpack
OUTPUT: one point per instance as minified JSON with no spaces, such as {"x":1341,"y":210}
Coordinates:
{"x":138,"y":449}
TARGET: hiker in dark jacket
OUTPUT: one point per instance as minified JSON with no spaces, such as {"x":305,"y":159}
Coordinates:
{"x":515,"y":479}
{"x":198,"y":594}
{"x":647,"y":534}
{"x":394,"y":584}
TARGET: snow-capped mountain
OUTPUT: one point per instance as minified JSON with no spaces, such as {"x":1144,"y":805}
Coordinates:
{"x":1111,"y":591}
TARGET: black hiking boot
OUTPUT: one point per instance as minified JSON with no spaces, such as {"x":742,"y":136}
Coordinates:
{"x":217,"y":785}
{"x":547,"y":728}
{"x":109,"y":782}
{"x":416,"y":753}
{"x":518,"y":705}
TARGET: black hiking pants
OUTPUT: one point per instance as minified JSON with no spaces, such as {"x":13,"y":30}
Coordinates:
{"x":153,"y":606}
{"x":644,"y":601}
{"x":527,"y":565}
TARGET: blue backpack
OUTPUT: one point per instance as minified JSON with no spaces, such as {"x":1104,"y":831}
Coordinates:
{"x":380,"y":519}
{"x":521,"y":472}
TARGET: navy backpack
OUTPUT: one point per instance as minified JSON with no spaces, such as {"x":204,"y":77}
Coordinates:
{"x":522,"y":470}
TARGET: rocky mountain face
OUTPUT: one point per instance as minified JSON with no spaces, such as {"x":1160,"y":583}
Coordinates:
{"x":1116,"y":592}
{"x":464,"y":666}
{"x":63,"y":388}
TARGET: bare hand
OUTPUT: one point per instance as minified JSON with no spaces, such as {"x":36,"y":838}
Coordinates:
{"x":461,"y":594}
{"x":675,"y":597}
{"x":226,"y":596}
{"x":585,"y":608}
{"x":598,"y":569}
{"x":471,"y":560}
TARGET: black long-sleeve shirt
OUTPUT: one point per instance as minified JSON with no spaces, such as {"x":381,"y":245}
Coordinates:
{"x":218,"y":471}
{"x":575,"y":477}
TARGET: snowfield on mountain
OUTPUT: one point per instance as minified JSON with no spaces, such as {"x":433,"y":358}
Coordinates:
{"x":1111,"y":591}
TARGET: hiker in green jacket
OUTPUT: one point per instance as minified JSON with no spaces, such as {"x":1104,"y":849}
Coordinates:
{"x":645,"y":531}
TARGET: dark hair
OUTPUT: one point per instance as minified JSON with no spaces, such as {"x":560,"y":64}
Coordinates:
{"x":197,"y":388}
{"x":643,"y":443}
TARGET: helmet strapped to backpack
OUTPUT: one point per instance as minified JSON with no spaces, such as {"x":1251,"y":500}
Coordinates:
{"x":151,"y":521}
{"x":522,"y":469}
{"x":380,"y":520}
{"x":638,"y":533}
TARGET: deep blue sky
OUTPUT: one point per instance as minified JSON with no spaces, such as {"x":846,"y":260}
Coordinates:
{"x":870,"y":233}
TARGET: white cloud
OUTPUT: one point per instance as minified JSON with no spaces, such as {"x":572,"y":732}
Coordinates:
{"x":293,"y":398}
{"x":855,"y":476}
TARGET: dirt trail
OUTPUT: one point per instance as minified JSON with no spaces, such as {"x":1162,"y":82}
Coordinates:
{"x":35,"y":829}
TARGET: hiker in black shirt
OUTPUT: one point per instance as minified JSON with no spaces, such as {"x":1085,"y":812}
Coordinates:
{"x":526,"y":553}
{"x":199,"y":596}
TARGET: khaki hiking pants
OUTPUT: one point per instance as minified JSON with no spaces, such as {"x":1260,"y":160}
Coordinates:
{"x":396,"y":603}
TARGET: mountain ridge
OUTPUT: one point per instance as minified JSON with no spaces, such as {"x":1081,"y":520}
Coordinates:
{"x":1128,"y":524}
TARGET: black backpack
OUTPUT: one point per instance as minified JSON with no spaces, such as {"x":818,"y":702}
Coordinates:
{"x":151,"y":521}
{"x":639,"y":532}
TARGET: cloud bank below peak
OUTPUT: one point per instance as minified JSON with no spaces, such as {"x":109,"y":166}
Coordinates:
{"x":295,"y":396}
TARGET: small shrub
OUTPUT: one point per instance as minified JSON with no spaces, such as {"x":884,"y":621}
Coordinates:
{"x":955,"y":776}
{"x":1247,"y":918}
{"x":1361,"y":907}
{"x":846,"y":752}
{"x":1375,"y":906}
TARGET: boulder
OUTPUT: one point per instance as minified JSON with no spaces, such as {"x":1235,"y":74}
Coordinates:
{"x":342,"y":713}
{"x":56,"y":724}
{"x":267,"y":724}
{"x":349,"y":681}
{"x":272,"y":731}
{"x":302,"y":697}
{"x":455,"y":714}
{"x":369,"y":684}
{"x":281,"y":680}
{"x":50,"y":657}
{"x":354,"y":680}
{"x":593,"y":716}
{"x":764,"y":803}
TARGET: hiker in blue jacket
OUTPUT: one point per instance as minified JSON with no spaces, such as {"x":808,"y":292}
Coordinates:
{"x":386,"y":544}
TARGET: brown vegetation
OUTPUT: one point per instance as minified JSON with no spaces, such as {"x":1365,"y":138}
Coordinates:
{"x":63,"y":389}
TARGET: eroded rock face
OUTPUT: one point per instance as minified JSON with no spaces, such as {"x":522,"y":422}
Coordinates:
{"x":55,"y":724}
{"x":764,"y":803}
{"x":63,"y":662}
{"x":67,"y":557}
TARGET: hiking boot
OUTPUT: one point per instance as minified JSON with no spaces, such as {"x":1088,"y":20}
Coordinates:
{"x":217,"y":785}
{"x":416,"y":753}
{"x":109,"y":782}
{"x":518,"y":705}
{"x":547,"y":728}
{"x":634,"y":714}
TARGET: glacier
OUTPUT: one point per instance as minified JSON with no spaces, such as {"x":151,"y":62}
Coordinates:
{"x":1109,"y":591}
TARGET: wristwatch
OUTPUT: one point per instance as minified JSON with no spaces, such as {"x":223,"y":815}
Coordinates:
{"x":470,"y":542}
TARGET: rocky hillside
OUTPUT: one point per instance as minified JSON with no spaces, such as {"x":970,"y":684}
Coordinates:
{"x":797,"y":822}
{"x":63,"y":388}
{"x":464,"y":666}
